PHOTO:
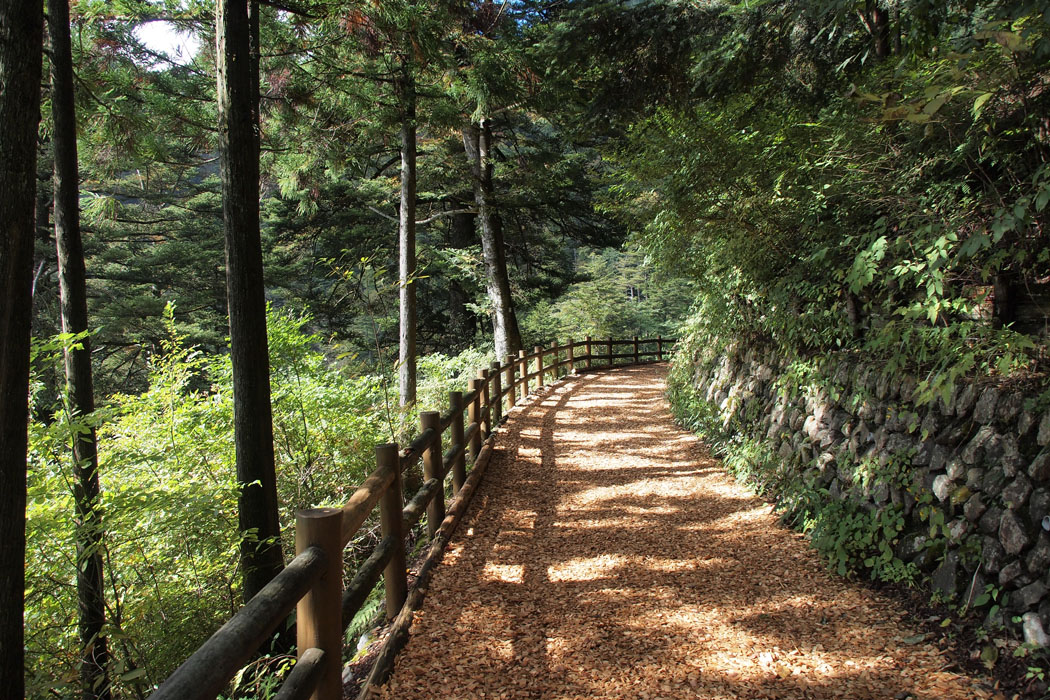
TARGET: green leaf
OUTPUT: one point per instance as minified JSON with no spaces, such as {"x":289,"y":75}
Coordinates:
{"x":132,"y":675}
{"x":1042,"y":198}
{"x":931,"y":107}
{"x":1011,"y":41}
{"x":989,"y":655}
{"x":979,"y":103}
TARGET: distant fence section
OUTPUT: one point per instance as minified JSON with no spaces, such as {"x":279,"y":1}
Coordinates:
{"x":312,"y":583}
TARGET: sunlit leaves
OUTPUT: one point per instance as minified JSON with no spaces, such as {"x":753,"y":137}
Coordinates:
{"x":875,"y":218}
{"x":169,"y":490}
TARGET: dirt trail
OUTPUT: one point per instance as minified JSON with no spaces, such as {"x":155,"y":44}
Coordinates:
{"x":606,"y":555}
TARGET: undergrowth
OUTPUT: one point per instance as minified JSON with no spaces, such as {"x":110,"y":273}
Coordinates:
{"x":853,"y":540}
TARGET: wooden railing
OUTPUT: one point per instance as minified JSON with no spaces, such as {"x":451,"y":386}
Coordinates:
{"x":312,"y":583}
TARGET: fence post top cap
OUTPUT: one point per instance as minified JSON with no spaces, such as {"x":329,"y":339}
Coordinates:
{"x":318,"y":512}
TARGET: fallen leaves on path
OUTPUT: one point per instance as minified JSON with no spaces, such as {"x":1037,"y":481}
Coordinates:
{"x":606,"y":555}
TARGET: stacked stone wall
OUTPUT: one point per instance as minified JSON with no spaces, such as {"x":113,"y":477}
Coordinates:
{"x":981,"y":459}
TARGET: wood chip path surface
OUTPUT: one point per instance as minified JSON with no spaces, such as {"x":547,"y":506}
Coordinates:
{"x":607,"y":555}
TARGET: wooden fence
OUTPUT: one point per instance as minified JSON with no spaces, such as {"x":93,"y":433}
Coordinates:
{"x":312,"y":583}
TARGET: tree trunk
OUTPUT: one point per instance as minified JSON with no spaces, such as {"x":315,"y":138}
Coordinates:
{"x":406,"y":235}
{"x":91,"y":606}
{"x":461,"y":319}
{"x":238,"y":101}
{"x":477,"y":141}
{"x":895,"y":28}
{"x":1004,"y":301}
{"x":854,"y":314}
{"x":877,"y":21}
{"x":21,"y":51}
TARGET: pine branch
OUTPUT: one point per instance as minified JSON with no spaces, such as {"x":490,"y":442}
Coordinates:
{"x":423,"y":222}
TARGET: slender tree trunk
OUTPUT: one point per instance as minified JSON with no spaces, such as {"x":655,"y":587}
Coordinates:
{"x":895,"y":28}
{"x":477,"y":141}
{"x":261,"y":557}
{"x":854,"y":314}
{"x":877,"y":21}
{"x":461,"y":319}
{"x":1004,"y":300}
{"x":91,"y":606}
{"x":406,"y":235}
{"x":45,"y":200}
{"x":21,"y":51}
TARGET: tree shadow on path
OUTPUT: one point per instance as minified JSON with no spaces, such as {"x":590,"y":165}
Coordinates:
{"x":606,"y":555}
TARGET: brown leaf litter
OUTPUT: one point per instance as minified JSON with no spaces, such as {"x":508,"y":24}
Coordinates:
{"x":607,"y":555}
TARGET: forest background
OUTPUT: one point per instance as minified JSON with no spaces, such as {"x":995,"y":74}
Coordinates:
{"x":814,"y":176}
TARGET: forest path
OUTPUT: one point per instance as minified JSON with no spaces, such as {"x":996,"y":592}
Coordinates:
{"x":607,"y":555}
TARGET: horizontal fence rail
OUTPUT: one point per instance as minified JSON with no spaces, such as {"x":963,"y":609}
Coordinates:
{"x":312,"y":583}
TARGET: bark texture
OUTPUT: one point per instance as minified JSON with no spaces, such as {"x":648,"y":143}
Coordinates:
{"x":477,"y":141}
{"x":406,"y":235}
{"x":877,"y":21}
{"x":237,"y":59}
{"x":461,"y":325}
{"x":91,"y":611}
{"x":21,"y":50}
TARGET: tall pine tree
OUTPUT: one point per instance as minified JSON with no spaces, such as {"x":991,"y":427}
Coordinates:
{"x":237,"y":56}
{"x":72,"y":277}
{"x":21,"y":53}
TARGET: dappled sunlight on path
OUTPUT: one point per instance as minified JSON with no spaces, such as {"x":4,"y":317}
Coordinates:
{"x":606,"y":555}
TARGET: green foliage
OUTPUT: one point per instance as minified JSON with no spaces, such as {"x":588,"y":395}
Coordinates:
{"x":831,"y":201}
{"x":853,"y":539}
{"x":798,"y":188}
{"x":169,"y":493}
{"x":439,"y":373}
{"x":618,"y":295}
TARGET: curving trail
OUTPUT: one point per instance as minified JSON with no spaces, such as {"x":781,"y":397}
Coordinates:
{"x":606,"y":555}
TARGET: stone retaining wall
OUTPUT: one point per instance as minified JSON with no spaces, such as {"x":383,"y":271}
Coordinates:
{"x":980,"y":459}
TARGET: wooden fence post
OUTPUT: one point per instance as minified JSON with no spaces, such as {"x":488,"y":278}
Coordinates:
{"x":486,"y":402}
{"x":635,"y":349}
{"x":587,"y":362}
{"x":610,"y":351}
{"x":433,"y":465}
{"x":512,"y":394}
{"x":524,"y":370}
{"x":459,"y":465}
{"x":391,"y":504}
{"x":571,"y":358}
{"x":496,"y":396}
{"x":659,"y":348}
{"x":539,"y":366}
{"x":319,"y":613}
{"x":474,"y":416}
{"x":555,"y":369}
